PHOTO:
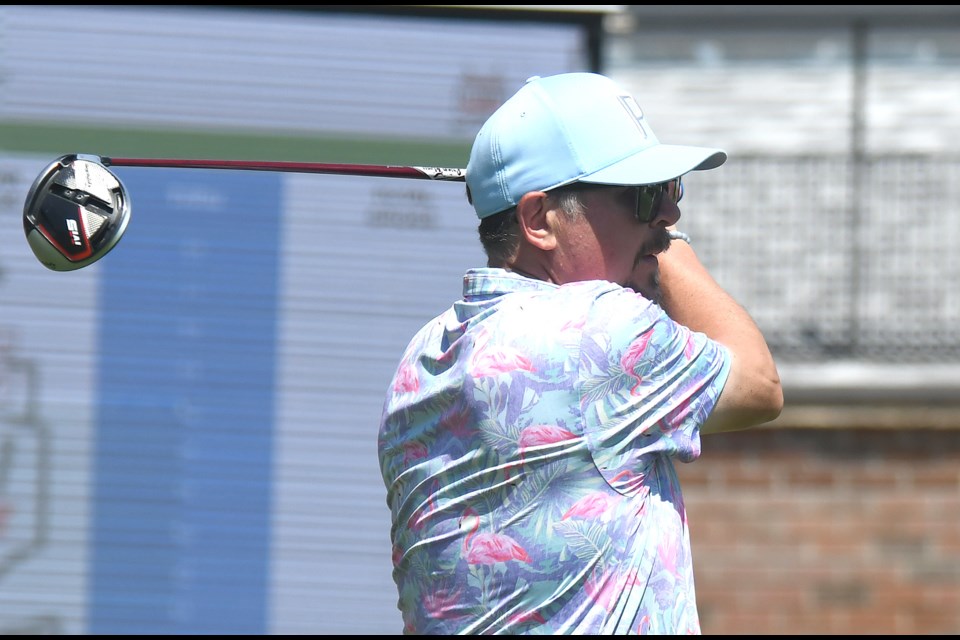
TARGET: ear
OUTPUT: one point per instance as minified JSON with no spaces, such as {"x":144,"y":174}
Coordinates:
{"x":537,"y":220}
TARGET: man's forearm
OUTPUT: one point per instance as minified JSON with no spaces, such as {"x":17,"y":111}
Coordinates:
{"x":692,"y":297}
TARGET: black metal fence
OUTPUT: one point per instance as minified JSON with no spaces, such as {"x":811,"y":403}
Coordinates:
{"x":837,"y":259}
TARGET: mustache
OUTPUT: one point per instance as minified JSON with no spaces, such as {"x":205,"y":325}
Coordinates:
{"x":662,"y":241}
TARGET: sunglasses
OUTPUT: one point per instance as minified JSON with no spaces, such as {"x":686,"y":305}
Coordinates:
{"x":650,"y":197}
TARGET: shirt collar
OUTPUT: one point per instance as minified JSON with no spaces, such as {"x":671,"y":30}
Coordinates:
{"x":488,"y":282}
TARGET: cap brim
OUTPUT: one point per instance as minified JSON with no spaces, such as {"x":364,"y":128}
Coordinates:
{"x":659,"y":163}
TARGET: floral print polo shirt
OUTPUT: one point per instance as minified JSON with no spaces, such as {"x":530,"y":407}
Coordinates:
{"x":527,"y":445}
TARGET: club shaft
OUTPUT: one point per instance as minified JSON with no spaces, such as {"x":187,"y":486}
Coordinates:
{"x":388,"y":171}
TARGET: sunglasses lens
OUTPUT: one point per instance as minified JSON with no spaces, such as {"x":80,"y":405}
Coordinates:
{"x":648,"y":201}
{"x":650,"y":197}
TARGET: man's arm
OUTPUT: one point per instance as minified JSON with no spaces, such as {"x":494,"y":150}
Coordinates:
{"x":752,"y":394}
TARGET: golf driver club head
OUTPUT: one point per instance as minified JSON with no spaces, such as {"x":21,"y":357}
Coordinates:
{"x":75,"y":213}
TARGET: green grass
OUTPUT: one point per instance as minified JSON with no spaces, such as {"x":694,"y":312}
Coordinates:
{"x":154,"y":143}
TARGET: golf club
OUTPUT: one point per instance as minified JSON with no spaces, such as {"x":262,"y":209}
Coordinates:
{"x":77,"y":209}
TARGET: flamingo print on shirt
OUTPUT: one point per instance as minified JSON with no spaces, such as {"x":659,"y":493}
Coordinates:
{"x":541,"y":434}
{"x":406,"y":381}
{"x":538,"y":435}
{"x":492,"y":361}
{"x":593,"y":506}
{"x":632,"y":356}
{"x":488,"y":548}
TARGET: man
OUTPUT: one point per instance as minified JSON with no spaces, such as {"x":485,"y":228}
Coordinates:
{"x":528,"y":437}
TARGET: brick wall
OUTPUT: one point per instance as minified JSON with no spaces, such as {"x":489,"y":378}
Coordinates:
{"x":827,"y":531}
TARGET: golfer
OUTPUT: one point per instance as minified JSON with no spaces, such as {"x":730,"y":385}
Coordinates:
{"x":529,"y":437}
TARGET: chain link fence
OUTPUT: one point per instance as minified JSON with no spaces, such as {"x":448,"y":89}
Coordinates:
{"x":837,"y":259}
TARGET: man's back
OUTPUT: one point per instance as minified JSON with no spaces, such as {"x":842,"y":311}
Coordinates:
{"x":527,"y":444}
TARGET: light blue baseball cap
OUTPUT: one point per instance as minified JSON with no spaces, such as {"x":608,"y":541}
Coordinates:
{"x":571,"y":127}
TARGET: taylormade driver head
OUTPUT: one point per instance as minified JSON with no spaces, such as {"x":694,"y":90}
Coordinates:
{"x":75,"y":213}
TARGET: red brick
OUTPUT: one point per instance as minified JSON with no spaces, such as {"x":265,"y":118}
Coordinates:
{"x":828,"y":532}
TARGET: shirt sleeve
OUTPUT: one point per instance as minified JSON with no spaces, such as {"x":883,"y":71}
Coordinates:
{"x":647,"y":384}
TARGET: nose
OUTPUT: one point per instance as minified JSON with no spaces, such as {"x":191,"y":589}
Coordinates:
{"x":668,"y":213}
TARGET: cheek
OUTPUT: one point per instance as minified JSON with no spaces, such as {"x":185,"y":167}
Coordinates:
{"x":610,"y":245}
{"x":621,"y":248}
{"x":594,"y":256}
